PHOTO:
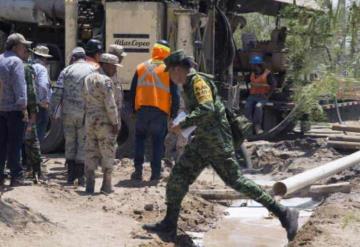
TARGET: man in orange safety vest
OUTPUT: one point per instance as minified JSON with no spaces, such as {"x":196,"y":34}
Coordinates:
{"x":154,"y":99}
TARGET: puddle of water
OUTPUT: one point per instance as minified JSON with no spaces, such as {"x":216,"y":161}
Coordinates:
{"x":250,"y":226}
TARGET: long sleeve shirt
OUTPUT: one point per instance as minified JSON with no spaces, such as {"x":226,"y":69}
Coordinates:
{"x":175,"y":96}
{"x":100,"y":103}
{"x":12,"y":83}
{"x":42,"y":81}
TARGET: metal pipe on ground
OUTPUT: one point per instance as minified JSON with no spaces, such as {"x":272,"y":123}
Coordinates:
{"x":309,"y":177}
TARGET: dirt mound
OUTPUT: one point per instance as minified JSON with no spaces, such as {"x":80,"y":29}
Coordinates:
{"x":336,"y":223}
{"x":288,"y":157}
{"x":18,"y":216}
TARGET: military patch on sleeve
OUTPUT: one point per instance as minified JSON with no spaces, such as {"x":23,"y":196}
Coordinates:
{"x":202,"y":91}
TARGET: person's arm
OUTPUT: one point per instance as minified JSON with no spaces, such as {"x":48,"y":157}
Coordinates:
{"x":175,"y":99}
{"x":272,"y":81}
{"x":204,"y":101}
{"x":19,"y":84}
{"x":133,"y":91}
{"x":110,"y":103}
{"x":42,"y":82}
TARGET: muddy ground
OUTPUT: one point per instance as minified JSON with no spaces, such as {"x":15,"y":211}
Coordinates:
{"x":55,"y":214}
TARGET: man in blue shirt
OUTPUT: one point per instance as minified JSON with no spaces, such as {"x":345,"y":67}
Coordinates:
{"x":13,"y":103}
{"x":43,"y":88}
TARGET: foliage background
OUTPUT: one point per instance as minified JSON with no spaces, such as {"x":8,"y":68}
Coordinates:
{"x":325,"y":44}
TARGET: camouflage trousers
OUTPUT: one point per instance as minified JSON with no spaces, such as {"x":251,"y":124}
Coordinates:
{"x":100,"y":146}
{"x":214,"y":149}
{"x":74,"y":131}
{"x":32,"y":150}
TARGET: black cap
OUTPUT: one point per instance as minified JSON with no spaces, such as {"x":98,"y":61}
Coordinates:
{"x":93,"y":46}
{"x":163,"y":42}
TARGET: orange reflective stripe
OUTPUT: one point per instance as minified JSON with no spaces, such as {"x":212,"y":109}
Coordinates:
{"x":155,"y":79}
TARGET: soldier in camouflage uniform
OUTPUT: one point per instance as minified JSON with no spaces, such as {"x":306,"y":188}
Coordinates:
{"x":73,"y":111}
{"x":31,"y":147}
{"x":212,"y":144}
{"x":118,"y":51}
{"x":102,"y":123}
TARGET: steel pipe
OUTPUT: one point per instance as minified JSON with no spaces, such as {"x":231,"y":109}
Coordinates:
{"x":307,"y":178}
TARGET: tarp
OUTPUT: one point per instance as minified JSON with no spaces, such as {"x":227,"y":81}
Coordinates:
{"x":272,"y":7}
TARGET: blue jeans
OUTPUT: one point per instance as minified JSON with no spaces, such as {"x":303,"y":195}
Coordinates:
{"x":42,"y":120}
{"x":12,"y":129}
{"x":254,"y":108}
{"x":153,"y":122}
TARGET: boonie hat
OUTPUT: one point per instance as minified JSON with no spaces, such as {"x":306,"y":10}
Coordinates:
{"x":110,"y":58}
{"x":42,"y":51}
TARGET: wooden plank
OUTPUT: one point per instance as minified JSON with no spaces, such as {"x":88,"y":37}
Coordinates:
{"x":344,"y":187}
{"x":344,"y":145}
{"x":349,"y":128}
{"x":345,"y":138}
{"x":218,"y":194}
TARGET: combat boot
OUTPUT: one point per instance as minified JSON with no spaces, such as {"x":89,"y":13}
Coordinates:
{"x":136,"y":175}
{"x":106,"y":186}
{"x":288,"y":219}
{"x":80,"y":173}
{"x":90,"y":182}
{"x":71,"y":173}
{"x":168,"y":225}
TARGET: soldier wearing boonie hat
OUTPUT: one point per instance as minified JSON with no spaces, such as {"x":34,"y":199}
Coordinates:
{"x":43,"y":87}
{"x":101,"y":122}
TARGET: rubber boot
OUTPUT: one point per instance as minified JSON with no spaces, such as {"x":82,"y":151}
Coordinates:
{"x":90,"y":182}
{"x":71,"y":172}
{"x":106,"y":186}
{"x":80,"y":173}
{"x":136,"y":175}
{"x":288,"y":218}
{"x":168,"y":225}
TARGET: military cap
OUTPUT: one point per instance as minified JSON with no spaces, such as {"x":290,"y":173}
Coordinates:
{"x":110,"y":58}
{"x":176,"y":58}
{"x":78,"y":51}
{"x":117,"y":50}
{"x":16,"y":38}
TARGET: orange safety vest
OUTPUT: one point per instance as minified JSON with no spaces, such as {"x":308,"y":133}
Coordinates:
{"x":259,"y":84}
{"x":153,"y":86}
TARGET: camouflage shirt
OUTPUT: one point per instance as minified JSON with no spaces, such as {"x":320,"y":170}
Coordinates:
{"x":73,"y":81}
{"x":99,"y":98}
{"x":205,"y":108}
{"x":31,"y":88}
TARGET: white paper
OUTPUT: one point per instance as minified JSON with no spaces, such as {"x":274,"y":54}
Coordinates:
{"x":185,"y":132}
